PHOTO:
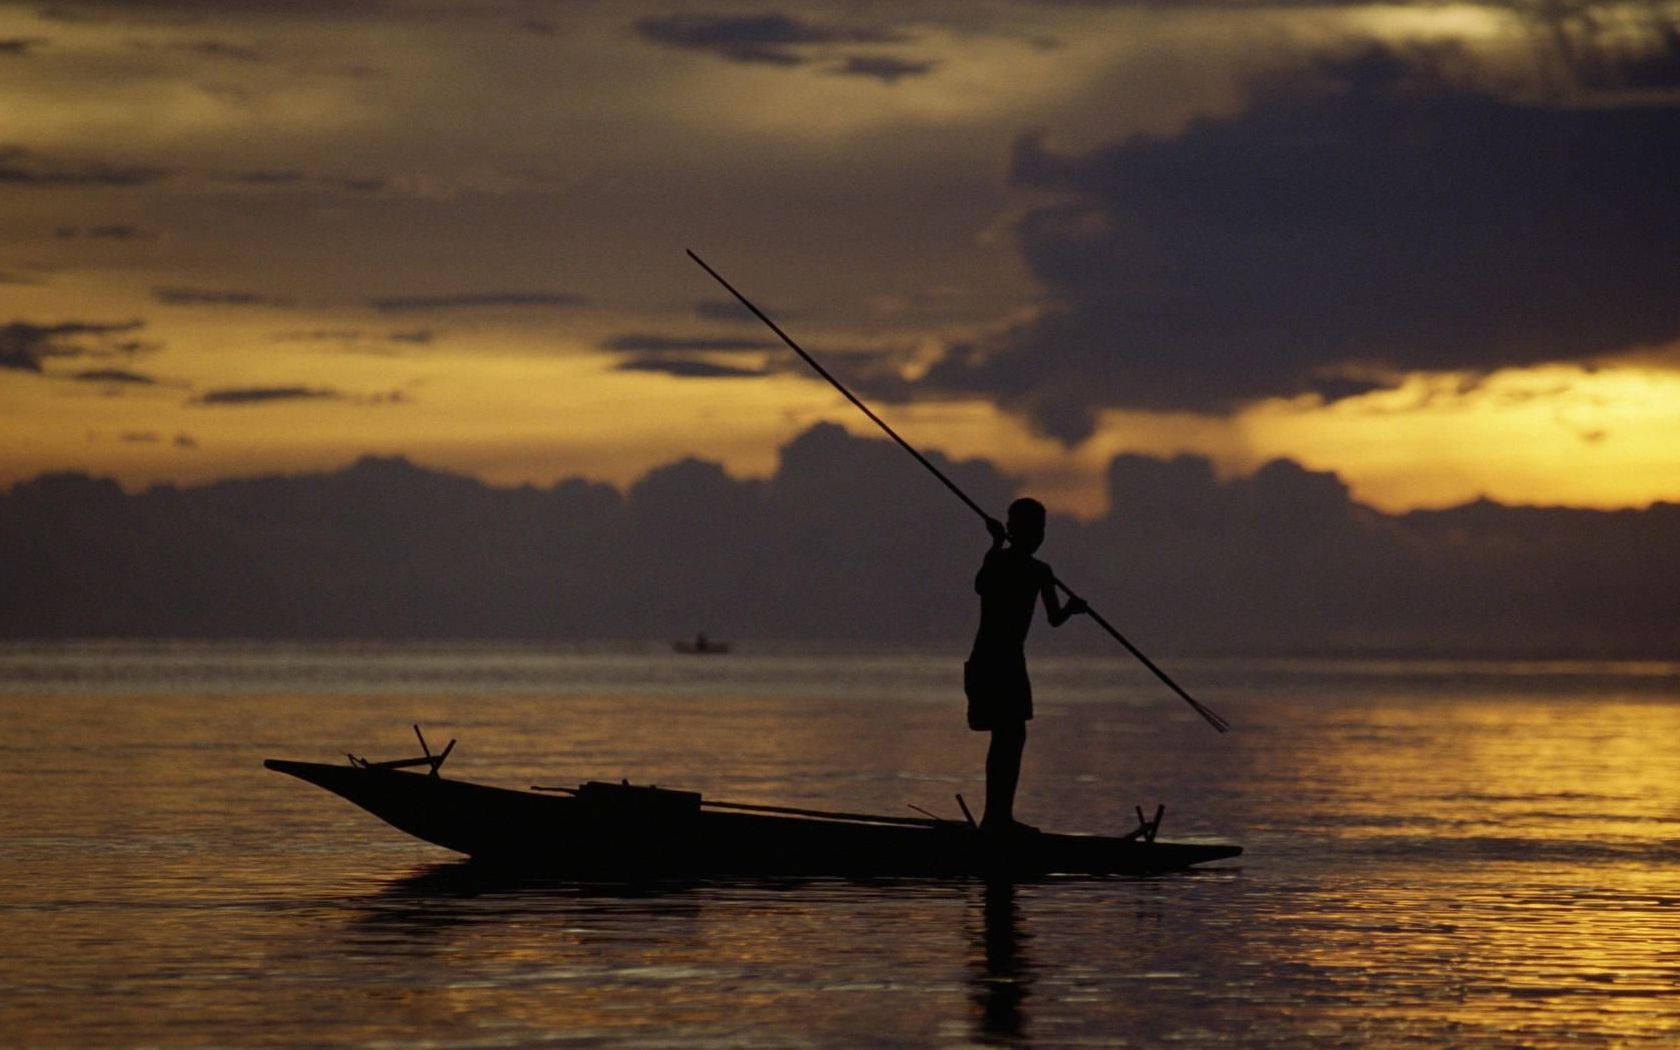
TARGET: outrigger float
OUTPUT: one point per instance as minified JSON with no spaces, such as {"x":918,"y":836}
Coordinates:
{"x":631,"y":832}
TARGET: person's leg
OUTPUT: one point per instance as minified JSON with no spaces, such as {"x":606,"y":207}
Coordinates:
{"x":1003,"y":772}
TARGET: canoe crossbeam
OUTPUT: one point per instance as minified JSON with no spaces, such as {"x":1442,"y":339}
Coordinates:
{"x":425,"y":759}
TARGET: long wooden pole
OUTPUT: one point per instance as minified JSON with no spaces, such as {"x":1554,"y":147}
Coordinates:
{"x":1213,"y":719}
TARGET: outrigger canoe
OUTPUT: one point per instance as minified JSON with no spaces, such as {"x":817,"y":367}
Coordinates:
{"x":633,"y":832}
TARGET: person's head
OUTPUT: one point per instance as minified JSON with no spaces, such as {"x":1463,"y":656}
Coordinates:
{"x":1026,"y":524}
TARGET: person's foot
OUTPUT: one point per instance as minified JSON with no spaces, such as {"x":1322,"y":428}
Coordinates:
{"x":1007,"y":828}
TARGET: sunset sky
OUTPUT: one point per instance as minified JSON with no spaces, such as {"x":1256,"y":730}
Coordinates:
{"x":1434,"y":248}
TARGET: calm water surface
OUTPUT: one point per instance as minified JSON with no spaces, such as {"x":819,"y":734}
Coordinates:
{"x":1448,"y":854}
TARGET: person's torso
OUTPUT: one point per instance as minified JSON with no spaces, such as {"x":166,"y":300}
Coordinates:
{"x":1009,"y":584}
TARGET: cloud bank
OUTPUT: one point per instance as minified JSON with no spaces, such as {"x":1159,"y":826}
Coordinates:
{"x":847,"y":539}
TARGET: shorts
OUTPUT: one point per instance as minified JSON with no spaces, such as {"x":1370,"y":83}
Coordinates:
{"x":998,"y":692}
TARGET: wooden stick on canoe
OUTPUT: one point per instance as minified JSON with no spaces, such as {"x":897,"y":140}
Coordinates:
{"x":751,"y":807}
{"x":1213,"y":719}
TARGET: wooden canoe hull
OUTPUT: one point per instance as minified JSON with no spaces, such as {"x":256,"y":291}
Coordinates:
{"x":568,"y":836}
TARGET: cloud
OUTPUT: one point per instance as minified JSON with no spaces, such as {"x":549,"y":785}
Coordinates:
{"x":720,"y":310}
{"x":271,"y":395}
{"x":323,"y":335}
{"x":769,"y":39}
{"x":687,"y":357}
{"x":884,"y":68}
{"x":216,"y":297}
{"x":223,"y":50}
{"x":361,"y":340}
{"x":1612,"y":47}
{"x":114,"y":376}
{"x":1369,"y":215}
{"x":25,"y":346}
{"x":295,"y":178}
{"x":474,"y":300}
{"x":658,"y":344}
{"x":848,"y":537}
{"x":265,"y":395}
{"x":108,"y":232}
{"x":152,"y":437}
{"x":19,"y":167}
{"x":685,"y":368}
{"x":266,"y":177}
{"x":20,"y":45}
{"x":174,"y":13}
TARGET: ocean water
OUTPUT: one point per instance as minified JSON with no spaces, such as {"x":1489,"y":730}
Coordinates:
{"x":1437,"y":854}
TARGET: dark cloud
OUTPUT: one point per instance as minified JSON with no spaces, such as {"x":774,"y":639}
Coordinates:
{"x":286,"y":177}
{"x":1366,"y":216}
{"x":264,"y":395}
{"x":1612,"y":47}
{"x":194,"y":12}
{"x":323,"y":335}
{"x":19,"y":167}
{"x":108,"y":232}
{"x":223,"y":50}
{"x":638,"y":342}
{"x":884,"y":68}
{"x":685,"y":368}
{"x":359,"y":338}
{"x":718,"y":310}
{"x":474,"y":300}
{"x":18,"y":355}
{"x":153,"y":437}
{"x":269,"y":395}
{"x":20,"y":45}
{"x":216,"y":297}
{"x":1246,"y":561}
{"x":24,"y":346}
{"x":114,"y":376}
{"x":687,"y":357}
{"x":294,"y":178}
{"x":773,"y":39}
{"x":848,"y":538}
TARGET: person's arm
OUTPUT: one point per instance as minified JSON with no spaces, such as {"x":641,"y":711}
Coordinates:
{"x":1058,"y":613}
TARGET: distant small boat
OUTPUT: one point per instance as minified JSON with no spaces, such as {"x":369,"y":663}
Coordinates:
{"x":701,"y":644}
{"x":629,"y":832}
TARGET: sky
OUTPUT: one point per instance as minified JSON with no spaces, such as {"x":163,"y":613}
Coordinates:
{"x":1432,"y":249}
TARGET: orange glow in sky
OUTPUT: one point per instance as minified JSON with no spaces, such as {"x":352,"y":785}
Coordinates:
{"x":247,"y":241}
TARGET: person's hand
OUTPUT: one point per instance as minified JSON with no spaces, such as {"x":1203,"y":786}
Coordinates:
{"x":1075,"y":606}
{"x":999,"y":531}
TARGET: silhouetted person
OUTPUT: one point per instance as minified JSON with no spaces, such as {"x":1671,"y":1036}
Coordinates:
{"x":1010,"y":583}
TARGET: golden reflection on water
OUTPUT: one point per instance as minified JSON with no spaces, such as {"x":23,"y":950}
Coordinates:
{"x":1504,"y":870}
{"x":1473,"y":865}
